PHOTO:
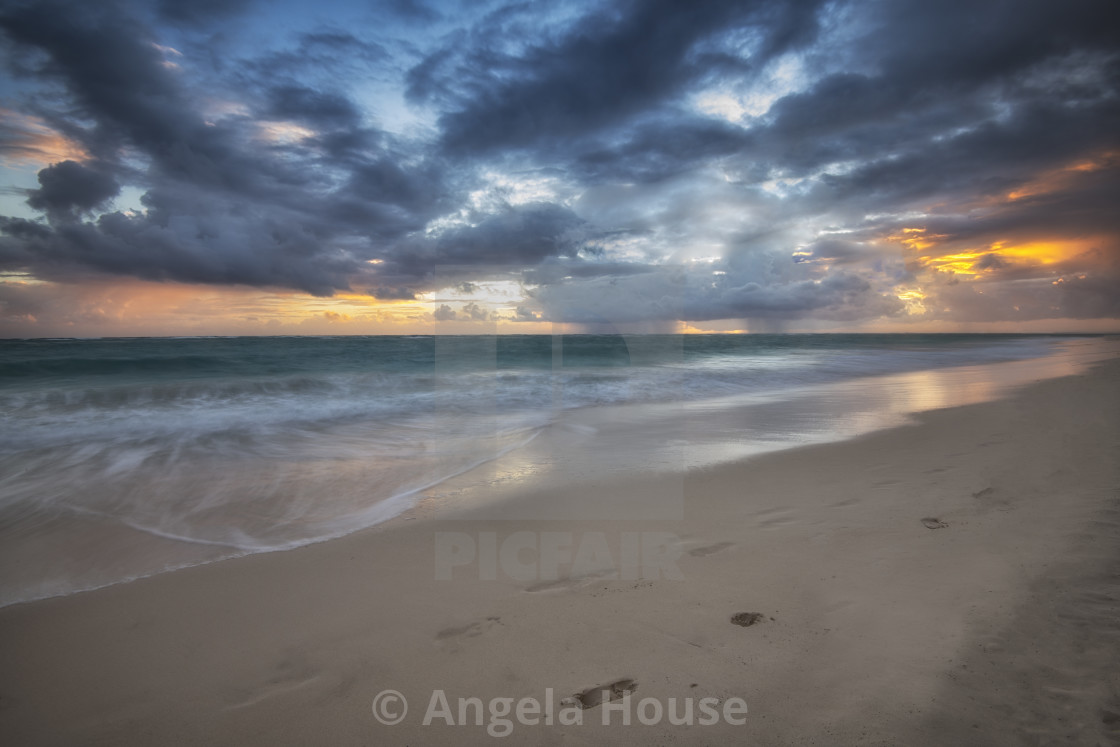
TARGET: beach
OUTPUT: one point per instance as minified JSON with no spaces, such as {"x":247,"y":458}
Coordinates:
{"x":949,"y":580}
{"x":418,"y":372}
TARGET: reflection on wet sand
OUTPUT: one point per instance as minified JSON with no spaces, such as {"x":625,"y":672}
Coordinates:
{"x":592,"y":445}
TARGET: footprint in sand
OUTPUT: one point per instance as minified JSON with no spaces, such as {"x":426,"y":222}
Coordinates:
{"x":596,"y":695}
{"x":988,"y":499}
{"x":931,"y":523}
{"x":747,"y":619}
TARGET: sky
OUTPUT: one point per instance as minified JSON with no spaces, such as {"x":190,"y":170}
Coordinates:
{"x":180,"y":167}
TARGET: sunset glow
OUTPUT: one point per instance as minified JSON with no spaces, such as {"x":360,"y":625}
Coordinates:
{"x":344,"y":168}
{"x":28,"y":140}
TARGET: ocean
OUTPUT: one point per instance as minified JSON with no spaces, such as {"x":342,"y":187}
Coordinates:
{"x":121,"y":458}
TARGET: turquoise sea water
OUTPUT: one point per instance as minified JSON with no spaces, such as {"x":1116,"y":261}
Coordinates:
{"x":125,"y":457}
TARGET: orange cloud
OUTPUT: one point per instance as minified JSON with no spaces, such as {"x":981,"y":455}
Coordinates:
{"x":912,"y":298}
{"x":916,"y":238}
{"x":939,"y":252}
{"x":25,"y":139}
{"x":1061,"y":178}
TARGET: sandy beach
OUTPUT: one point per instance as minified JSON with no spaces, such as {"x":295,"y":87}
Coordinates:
{"x":954,"y":581}
{"x":417,"y":372}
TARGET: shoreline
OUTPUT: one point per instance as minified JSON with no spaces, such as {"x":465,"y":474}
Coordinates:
{"x":873,"y":612}
{"x":670,"y":437}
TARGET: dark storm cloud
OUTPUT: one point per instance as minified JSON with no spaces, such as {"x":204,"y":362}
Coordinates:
{"x":210,"y":250}
{"x":224,"y":203}
{"x":1084,"y":206}
{"x":23,"y":229}
{"x":109,"y":65}
{"x":1007,"y":75}
{"x":989,"y":40}
{"x":387,"y":182}
{"x":69,"y":186}
{"x":413,"y":11}
{"x":383,"y":293}
{"x":116,"y":78}
{"x":201,"y":11}
{"x":918,"y":97}
{"x":317,"y":107}
{"x":328,"y":55}
{"x":660,"y":149}
{"x":946,"y":105}
{"x":990,"y":159}
{"x":963,"y":119}
{"x":610,"y":66}
{"x":516,"y":238}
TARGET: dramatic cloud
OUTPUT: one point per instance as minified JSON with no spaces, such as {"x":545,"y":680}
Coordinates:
{"x":200,"y":11}
{"x":612,"y":65}
{"x":69,"y":186}
{"x":816,"y":164}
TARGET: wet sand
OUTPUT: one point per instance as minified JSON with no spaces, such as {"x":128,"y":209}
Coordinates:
{"x":949,"y":582}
